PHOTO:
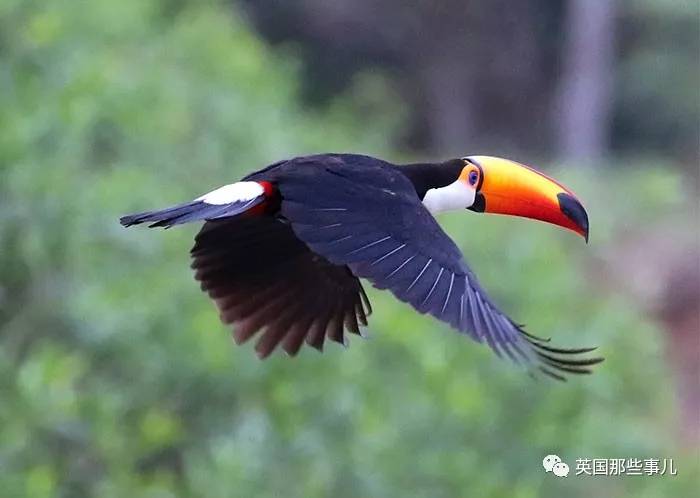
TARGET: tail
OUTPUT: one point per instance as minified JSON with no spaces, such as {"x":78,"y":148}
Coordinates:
{"x":227,"y":201}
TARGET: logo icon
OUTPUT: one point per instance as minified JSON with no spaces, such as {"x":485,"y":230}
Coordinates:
{"x":553,"y":464}
{"x":560,"y":469}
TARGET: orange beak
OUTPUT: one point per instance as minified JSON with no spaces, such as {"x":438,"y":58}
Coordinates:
{"x":514,"y":189}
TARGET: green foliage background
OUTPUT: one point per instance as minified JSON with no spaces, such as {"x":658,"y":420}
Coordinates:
{"x":116,"y":378}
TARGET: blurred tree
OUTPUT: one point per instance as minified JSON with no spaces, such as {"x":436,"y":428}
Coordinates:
{"x":467,"y":70}
{"x":657,"y":104}
{"x":585,"y":92}
{"x":116,"y":378}
{"x":485,"y":76}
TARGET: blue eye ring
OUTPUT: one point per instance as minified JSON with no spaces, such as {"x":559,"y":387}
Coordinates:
{"x":473,"y":177}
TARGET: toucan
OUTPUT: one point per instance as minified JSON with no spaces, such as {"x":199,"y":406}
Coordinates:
{"x":281,"y":252}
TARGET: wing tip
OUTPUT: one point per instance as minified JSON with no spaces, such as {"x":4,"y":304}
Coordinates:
{"x":557,"y":362}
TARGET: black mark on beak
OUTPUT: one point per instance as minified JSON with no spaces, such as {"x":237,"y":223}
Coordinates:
{"x":573,"y":210}
{"x":479,"y":205}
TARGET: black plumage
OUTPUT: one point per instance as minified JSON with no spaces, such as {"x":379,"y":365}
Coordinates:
{"x":292,"y":273}
{"x":261,"y":276}
{"x":190,"y":211}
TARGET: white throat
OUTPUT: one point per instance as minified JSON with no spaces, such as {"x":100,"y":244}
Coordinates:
{"x":456,"y":195}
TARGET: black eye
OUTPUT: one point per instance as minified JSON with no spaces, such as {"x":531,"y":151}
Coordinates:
{"x":473,"y":177}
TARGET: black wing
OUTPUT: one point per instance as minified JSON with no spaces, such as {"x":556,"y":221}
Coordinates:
{"x":263,"y":278}
{"x":370,"y":219}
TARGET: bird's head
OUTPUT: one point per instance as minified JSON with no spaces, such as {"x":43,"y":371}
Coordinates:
{"x":487,"y":184}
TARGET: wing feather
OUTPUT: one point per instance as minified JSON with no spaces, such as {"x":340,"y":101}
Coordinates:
{"x":379,"y":228}
{"x":267,"y":282}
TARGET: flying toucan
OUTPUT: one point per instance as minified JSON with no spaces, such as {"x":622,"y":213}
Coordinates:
{"x":282,"y":251}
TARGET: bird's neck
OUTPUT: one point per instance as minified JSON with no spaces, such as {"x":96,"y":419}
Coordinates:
{"x":426,"y":176}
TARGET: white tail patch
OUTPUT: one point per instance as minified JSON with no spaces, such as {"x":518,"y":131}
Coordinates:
{"x":234,"y":192}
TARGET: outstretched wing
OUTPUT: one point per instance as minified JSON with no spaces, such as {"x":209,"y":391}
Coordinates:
{"x":264,"y":279}
{"x":371,"y":220}
{"x":260,"y":275}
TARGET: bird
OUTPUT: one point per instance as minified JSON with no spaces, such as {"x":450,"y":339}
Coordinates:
{"x":282,"y":251}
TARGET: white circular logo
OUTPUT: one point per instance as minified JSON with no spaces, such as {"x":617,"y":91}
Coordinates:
{"x":549,"y":462}
{"x":560,"y":469}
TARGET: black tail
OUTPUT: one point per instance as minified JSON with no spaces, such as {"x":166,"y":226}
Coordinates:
{"x":190,"y":211}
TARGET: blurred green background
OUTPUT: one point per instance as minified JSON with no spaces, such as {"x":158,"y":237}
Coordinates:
{"x":116,"y":377}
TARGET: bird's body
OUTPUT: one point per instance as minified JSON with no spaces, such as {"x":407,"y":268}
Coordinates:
{"x":282,"y":251}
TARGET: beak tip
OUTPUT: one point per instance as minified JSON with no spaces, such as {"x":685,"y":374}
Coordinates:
{"x":574,"y":211}
{"x":584,"y":232}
